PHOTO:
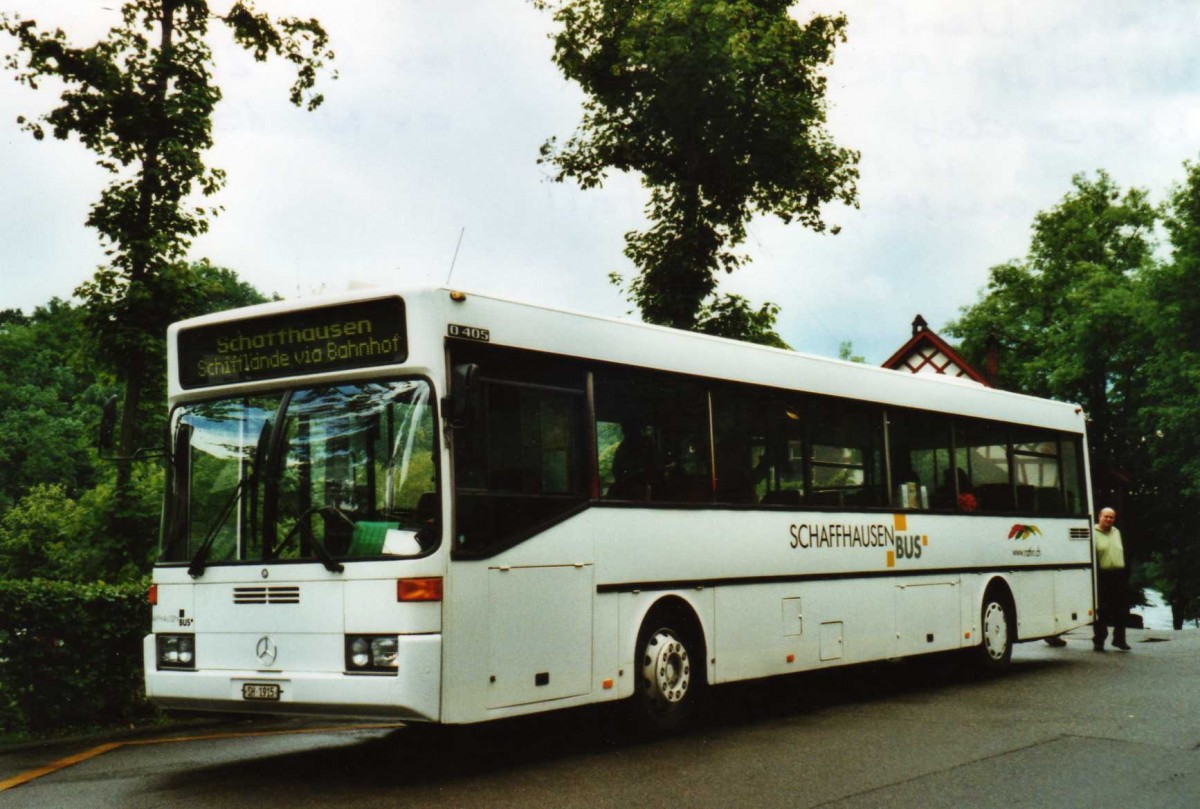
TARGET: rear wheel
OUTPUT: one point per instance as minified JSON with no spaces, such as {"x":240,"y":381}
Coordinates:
{"x":670,"y":671}
{"x":996,"y":626}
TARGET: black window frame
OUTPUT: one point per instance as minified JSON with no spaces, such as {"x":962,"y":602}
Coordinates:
{"x":717,"y":394}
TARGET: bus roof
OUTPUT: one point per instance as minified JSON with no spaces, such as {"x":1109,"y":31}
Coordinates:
{"x":577,"y":334}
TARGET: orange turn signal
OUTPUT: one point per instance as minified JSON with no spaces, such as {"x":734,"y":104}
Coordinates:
{"x":152,"y":595}
{"x":428,"y":589}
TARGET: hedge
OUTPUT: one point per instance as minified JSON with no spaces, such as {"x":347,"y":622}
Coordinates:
{"x":71,"y":655}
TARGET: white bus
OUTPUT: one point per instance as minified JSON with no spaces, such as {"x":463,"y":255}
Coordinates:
{"x":449,"y":507}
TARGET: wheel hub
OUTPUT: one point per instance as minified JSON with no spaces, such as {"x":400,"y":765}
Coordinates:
{"x":666,"y":669}
{"x":995,"y":630}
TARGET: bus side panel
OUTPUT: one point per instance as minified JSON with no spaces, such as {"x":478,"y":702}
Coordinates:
{"x":1073,"y":605}
{"x":765,"y":630}
{"x":928,"y":616}
{"x":759,"y":627}
{"x":610,"y":680}
{"x":519,"y":627}
{"x":465,"y":643}
{"x":1033,"y":592}
{"x":540,"y":646}
{"x":1050,"y":602}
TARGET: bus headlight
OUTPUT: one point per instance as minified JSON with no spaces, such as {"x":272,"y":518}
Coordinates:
{"x":374,"y":653}
{"x":176,"y":651}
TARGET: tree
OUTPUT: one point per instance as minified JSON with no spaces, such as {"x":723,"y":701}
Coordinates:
{"x":733,"y":316}
{"x":56,"y":497}
{"x":142,"y":100}
{"x":1070,"y":319}
{"x":846,"y":352}
{"x":1171,"y":417}
{"x":180,"y":290}
{"x":50,"y":392}
{"x":1075,"y":320}
{"x":720,"y":106}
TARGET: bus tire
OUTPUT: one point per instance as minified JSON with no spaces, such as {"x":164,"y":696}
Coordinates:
{"x":996,"y":629}
{"x":669,"y":671}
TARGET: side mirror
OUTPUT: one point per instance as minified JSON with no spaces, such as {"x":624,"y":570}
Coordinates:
{"x":463,"y":401}
{"x":107,"y":438}
{"x":178,"y":484}
{"x":108,"y":426}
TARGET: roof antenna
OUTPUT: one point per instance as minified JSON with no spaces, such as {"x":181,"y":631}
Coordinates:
{"x":461,"y":233}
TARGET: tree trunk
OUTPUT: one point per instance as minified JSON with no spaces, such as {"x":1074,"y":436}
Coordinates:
{"x":140,"y":266}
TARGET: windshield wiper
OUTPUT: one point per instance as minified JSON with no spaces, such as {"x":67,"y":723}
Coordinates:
{"x":332,"y":565}
{"x":196,"y":568}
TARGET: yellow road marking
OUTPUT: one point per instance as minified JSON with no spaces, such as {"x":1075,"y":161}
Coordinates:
{"x":61,"y":764}
{"x":69,"y":761}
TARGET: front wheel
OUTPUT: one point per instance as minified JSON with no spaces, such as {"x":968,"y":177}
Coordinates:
{"x":996,"y":626}
{"x":670,"y":671}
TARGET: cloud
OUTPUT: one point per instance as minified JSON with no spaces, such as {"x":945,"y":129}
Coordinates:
{"x":970,"y":117}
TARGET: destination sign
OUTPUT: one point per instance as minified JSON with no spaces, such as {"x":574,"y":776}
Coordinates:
{"x":328,"y":338}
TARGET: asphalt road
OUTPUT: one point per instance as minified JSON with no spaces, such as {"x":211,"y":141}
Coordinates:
{"x":1063,"y":728}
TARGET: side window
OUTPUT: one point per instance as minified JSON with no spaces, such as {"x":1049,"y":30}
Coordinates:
{"x":983,"y":446}
{"x":745,"y":468}
{"x":1035,"y":465}
{"x":923,"y":474}
{"x":1073,"y":498}
{"x":845,"y":453}
{"x":522,"y":461}
{"x":789,"y":462}
{"x":652,"y":438}
{"x":780,"y":449}
{"x":528,"y":444}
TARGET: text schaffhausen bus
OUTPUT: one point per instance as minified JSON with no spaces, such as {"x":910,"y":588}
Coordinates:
{"x":839,"y":535}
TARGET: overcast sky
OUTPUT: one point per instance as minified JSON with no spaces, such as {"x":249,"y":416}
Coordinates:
{"x":970,"y":118}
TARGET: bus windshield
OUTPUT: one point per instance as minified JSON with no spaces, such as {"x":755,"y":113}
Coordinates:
{"x":342,"y":471}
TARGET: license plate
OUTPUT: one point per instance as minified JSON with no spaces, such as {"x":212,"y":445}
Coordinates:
{"x":266,"y":692}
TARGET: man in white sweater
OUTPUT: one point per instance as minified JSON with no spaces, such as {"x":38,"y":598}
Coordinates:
{"x":1112,"y":582}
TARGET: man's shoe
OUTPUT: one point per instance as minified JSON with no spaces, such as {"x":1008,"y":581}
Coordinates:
{"x":1099,"y":647}
{"x":1123,"y":646}
{"x":1055,"y":641}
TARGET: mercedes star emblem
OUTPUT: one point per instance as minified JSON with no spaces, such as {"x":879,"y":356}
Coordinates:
{"x":266,"y":650}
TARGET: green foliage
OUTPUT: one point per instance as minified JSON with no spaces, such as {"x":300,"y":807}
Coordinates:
{"x":39,"y":537}
{"x":181,"y":290}
{"x":142,"y":100}
{"x":148,"y":104}
{"x":60,"y":516}
{"x":721,"y":109}
{"x":1069,"y":318}
{"x":732,"y":316}
{"x":51,"y":535}
{"x":1091,"y":316}
{"x":1173,"y":374}
{"x":50,"y":397}
{"x":846,"y":352}
{"x":70,"y":655}
{"x":1171,"y":417}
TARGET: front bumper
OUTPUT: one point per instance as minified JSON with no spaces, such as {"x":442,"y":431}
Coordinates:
{"x":414,"y":693}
